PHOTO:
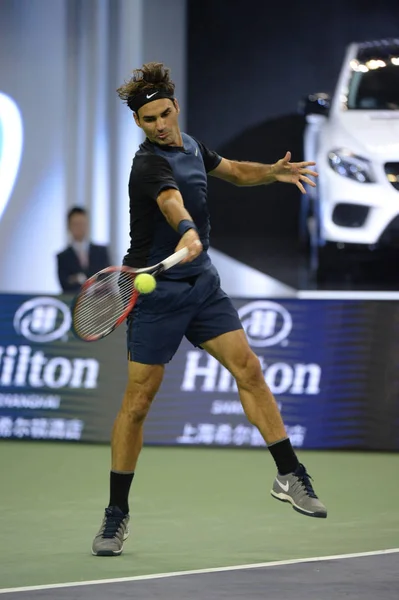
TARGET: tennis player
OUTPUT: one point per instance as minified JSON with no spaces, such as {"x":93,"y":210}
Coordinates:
{"x":168,"y":211}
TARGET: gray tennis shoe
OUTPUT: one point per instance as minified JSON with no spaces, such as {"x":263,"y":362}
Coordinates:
{"x":113,"y":532}
{"x":297,"y":489}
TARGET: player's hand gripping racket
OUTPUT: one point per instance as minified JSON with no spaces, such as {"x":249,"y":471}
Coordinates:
{"x":106,"y":298}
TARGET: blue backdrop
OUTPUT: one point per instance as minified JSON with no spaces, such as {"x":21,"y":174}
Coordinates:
{"x":332,"y":365}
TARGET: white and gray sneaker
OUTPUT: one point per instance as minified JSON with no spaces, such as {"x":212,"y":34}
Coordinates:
{"x":297,"y":489}
{"x":113,"y":532}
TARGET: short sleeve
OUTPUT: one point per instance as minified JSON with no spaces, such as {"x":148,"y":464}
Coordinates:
{"x":151,"y":174}
{"x":211,"y":159}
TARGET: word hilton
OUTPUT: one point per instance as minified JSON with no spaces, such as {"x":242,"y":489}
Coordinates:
{"x":20,"y":366}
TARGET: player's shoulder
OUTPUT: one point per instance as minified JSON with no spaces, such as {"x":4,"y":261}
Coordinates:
{"x":210,"y":157}
{"x":192,"y":141}
{"x":147,"y":159}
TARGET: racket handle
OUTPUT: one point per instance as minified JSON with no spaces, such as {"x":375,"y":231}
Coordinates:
{"x":175,"y":258}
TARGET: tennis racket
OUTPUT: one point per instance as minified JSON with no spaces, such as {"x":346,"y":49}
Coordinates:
{"x":105,"y":299}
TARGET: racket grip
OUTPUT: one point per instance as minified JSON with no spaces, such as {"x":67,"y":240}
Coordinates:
{"x":175,"y":258}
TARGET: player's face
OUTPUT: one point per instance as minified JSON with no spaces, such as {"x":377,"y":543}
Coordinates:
{"x":78,"y":226}
{"x":159,"y":121}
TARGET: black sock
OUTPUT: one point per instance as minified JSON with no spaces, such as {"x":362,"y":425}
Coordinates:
{"x":284,"y":456}
{"x":119,"y":490}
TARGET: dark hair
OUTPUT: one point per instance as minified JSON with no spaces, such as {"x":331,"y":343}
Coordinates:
{"x":76,"y":210}
{"x":149,"y":77}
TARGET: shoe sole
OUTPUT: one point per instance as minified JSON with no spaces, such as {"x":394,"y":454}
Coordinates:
{"x":307,"y":513}
{"x":111,"y":552}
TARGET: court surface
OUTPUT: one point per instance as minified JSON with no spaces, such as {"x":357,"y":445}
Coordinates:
{"x":197,"y":509}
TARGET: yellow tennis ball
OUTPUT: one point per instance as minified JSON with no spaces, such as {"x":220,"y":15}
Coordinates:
{"x":145,"y":283}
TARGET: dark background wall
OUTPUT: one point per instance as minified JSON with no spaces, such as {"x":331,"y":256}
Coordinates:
{"x":249,"y":63}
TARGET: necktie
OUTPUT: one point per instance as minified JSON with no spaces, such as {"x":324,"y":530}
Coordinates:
{"x":83,"y":258}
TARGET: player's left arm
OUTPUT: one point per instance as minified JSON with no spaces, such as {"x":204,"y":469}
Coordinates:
{"x":251,"y":173}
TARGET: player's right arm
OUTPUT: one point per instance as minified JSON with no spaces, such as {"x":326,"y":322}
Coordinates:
{"x":153,"y":176}
{"x":170,"y":202}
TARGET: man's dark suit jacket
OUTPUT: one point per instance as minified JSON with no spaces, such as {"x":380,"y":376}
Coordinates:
{"x":69,"y":264}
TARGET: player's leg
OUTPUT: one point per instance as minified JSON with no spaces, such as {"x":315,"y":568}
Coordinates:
{"x":155,"y":330}
{"x":127,"y":441}
{"x":216,"y":327}
{"x":292,"y":483}
{"x":127,"y":434}
{"x":233,"y":352}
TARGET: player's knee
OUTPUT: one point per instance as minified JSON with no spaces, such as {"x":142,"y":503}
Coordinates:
{"x":138,"y":414}
{"x":136,"y":408}
{"x":137,"y":401}
{"x":248,"y":373}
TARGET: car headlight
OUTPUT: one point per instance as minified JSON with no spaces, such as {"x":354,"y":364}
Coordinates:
{"x":347,"y":164}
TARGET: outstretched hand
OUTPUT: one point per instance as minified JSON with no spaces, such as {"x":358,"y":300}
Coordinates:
{"x":296,"y":173}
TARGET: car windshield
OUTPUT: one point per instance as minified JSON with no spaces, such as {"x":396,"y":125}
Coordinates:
{"x":375,"y":89}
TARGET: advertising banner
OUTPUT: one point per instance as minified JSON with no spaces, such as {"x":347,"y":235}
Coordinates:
{"x":52,"y":385}
{"x":331,"y":364}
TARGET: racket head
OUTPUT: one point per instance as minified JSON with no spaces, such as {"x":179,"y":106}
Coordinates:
{"x":103,"y":303}
{"x":106,"y":299}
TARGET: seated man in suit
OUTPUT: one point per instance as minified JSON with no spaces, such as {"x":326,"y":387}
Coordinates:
{"x":82,"y":258}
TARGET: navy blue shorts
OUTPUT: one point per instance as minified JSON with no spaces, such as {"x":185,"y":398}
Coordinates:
{"x":198,"y":309}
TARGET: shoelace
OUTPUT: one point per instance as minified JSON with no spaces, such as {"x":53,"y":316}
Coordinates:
{"x":112,"y":523}
{"x":305,"y":480}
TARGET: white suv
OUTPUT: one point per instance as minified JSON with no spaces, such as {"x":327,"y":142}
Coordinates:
{"x":354,"y":138}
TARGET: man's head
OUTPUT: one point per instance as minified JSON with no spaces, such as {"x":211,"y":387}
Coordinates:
{"x":150,"y":95}
{"x":78,"y":223}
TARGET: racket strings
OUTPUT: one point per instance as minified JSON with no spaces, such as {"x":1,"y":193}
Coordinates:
{"x":103,"y":303}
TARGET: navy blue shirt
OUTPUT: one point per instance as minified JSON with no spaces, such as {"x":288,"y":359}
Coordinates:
{"x":156,"y":168}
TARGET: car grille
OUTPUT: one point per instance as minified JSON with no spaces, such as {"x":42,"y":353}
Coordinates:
{"x":350,"y":215}
{"x":392,"y":173}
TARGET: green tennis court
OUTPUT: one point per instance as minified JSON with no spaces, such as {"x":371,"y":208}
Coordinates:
{"x":191,"y":509}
